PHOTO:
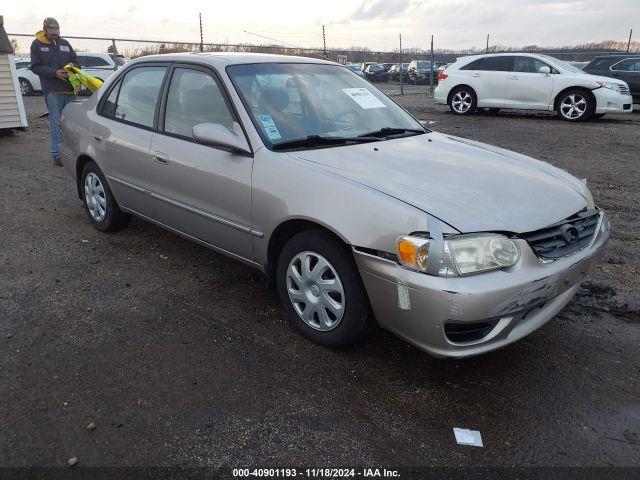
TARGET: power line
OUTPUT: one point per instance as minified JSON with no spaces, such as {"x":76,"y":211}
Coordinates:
{"x":269,"y":38}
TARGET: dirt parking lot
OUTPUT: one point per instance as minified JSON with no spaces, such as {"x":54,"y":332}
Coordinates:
{"x":181,"y":356}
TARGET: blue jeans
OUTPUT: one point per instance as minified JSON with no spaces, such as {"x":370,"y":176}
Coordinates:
{"x":55,"y":103}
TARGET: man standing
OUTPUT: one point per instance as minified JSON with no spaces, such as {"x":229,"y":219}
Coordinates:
{"x":49,"y":55}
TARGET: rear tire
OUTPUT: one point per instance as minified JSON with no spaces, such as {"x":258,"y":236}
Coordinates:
{"x":99,"y":203}
{"x":575,"y":105}
{"x":25,"y":87}
{"x":321,"y":291}
{"x":463,"y":101}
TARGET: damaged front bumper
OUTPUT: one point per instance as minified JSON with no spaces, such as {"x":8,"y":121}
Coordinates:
{"x":467,"y":316}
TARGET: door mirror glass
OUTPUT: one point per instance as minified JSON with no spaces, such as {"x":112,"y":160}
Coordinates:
{"x":217,"y":135}
{"x":545,"y":69}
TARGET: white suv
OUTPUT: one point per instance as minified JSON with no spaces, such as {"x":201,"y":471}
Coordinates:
{"x":529,"y":81}
{"x":99,"y":65}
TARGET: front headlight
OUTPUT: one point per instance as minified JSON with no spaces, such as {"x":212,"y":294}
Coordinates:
{"x":610,"y":86}
{"x":587,"y":193}
{"x":481,"y":252}
{"x":462,"y":254}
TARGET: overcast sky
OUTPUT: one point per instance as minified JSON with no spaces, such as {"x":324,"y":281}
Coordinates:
{"x":374,"y":23}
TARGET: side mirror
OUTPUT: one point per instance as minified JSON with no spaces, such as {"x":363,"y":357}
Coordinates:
{"x":217,"y":135}
{"x":546,"y":70}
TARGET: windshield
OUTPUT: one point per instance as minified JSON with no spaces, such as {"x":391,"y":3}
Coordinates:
{"x":293,"y":101}
{"x":562,"y":64}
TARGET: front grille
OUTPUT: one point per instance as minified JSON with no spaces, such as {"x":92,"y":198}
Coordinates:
{"x":623,"y":89}
{"x":565,"y":237}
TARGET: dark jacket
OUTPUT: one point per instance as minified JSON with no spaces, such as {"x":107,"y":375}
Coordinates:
{"x":48,"y":57}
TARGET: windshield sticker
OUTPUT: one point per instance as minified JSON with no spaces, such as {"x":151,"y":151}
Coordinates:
{"x":270,"y":127}
{"x":364,"y":98}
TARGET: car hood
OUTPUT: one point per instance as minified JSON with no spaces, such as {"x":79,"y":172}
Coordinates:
{"x":598,"y":78}
{"x":471,"y":186}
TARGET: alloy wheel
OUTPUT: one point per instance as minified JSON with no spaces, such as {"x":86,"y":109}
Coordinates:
{"x":573,"y":106}
{"x":95,"y":197}
{"x":24,"y":88}
{"x":315,"y":291}
{"x":461,"y":101}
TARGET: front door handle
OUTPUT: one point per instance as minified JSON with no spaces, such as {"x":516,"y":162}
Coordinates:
{"x":475,"y":74}
{"x":160,"y":157}
{"x":513,"y":77}
{"x":97,"y":138}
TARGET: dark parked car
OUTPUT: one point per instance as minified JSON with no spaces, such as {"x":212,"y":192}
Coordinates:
{"x":378,"y":72}
{"x":625,"y":68}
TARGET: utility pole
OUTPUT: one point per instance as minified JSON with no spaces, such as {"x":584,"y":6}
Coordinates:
{"x":201,"y":37}
{"x":324,"y":42}
{"x":401,"y":69}
{"x":487,"y":50}
{"x":629,"y":42}
{"x":431,"y":76}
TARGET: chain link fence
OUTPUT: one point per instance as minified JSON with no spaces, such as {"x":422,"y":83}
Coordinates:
{"x":419,"y":73}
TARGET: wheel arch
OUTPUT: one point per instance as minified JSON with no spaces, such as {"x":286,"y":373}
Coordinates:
{"x":455,"y":89}
{"x":588,"y":91}
{"x":287,"y":230}
{"x":80,"y":164}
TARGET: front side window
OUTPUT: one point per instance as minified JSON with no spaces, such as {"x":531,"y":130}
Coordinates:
{"x":194,"y":98}
{"x":138,"y":96}
{"x":528,"y":65}
{"x":628,"y":65}
{"x":496,"y":64}
{"x":292,"y":101}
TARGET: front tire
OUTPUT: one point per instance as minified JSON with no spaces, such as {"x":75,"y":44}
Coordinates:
{"x":321,"y":290}
{"x":99,"y":203}
{"x":575,"y":106}
{"x":463,"y":101}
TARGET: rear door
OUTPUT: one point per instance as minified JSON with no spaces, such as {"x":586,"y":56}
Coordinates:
{"x":121,"y":135}
{"x":489,"y":80}
{"x":526,"y":86}
{"x":201,"y":191}
{"x":628,"y":70}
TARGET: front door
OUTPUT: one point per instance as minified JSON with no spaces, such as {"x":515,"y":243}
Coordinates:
{"x":201,"y":191}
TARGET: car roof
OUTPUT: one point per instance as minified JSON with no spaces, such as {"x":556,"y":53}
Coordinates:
{"x":230,"y":58}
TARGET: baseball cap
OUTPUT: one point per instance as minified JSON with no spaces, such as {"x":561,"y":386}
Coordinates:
{"x":51,"y":25}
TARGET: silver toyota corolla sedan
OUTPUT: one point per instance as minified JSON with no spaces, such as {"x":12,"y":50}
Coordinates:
{"x":356,"y":213}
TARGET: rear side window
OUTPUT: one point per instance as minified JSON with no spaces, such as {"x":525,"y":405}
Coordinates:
{"x":194,"y":98}
{"x":528,"y":65}
{"x":137,"y":96}
{"x":473,"y":65}
{"x":496,"y":64}
{"x":628,"y":65}
{"x":90,"y":61}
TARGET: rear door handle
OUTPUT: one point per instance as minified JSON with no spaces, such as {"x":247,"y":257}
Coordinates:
{"x":97,"y":138}
{"x":160,"y":157}
{"x":513,"y":77}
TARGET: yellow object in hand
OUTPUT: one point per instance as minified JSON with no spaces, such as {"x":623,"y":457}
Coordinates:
{"x":77,"y":78}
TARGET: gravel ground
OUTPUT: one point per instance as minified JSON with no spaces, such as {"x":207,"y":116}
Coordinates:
{"x":182,"y":357}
